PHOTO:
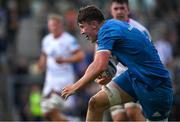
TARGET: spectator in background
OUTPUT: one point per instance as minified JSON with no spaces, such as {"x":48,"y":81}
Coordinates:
{"x":130,"y":111}
{"x":3,"y":42}
{"x":12,"y":24}
{"x":59,"y":51}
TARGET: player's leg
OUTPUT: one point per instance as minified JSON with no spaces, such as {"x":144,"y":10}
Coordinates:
{"x":103,"y":100}
{"x":59,"y":107}
{"x":134,"y":111}
{"x":112,"y":94}
{"x":51,"y":108}
{"x":118,"y":113}
{"x":97,"y":105}
{"x":45,"y":100}
{"x":51,"y":104}
{"x":54,"y":115}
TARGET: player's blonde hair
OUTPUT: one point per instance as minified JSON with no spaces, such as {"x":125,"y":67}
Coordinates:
{"x":56,"y":17}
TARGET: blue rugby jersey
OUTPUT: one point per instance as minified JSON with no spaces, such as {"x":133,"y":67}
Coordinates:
{"x":134,"y":50}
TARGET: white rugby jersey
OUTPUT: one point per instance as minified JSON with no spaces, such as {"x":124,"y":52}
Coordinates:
{"x":120,"y":67}
{"x":139,"y":27}
{"x":62,"y":46}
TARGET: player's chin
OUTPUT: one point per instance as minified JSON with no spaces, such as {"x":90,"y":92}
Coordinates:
{"x":103,"y":81}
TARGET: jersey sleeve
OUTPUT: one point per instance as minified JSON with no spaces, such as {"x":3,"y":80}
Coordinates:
{"x":146,"y":32}
{"x":107,"y":38}
{"x":73,"y":46}
{"x":43,"y":45}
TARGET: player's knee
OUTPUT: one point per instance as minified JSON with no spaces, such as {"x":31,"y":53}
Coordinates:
{"x":120,"y":117}
{"x":49,"y":113}
{"x":133,"y":111}
{"x":132,"y":106}
{"x":55,"y":102}
{"x":52,"y":114}
{"x":95,"y":104}
{"x":118,"y":113}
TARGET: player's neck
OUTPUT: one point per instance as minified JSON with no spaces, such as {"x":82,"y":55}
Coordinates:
{"x":56,"y":35}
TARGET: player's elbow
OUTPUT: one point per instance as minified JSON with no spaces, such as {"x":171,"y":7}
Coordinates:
{"x":81,"y":55}
{"x":101,"y":67}
{"x":41,"y":66}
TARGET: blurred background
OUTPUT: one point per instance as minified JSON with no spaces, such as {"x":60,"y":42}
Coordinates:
{"x":23,"y":24}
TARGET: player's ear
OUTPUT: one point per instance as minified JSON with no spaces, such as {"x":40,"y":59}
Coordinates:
{"x":94,"y":24}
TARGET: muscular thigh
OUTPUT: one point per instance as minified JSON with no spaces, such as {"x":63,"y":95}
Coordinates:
{"x":101,"y":99}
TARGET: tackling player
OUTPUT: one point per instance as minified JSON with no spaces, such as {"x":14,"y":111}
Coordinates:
{"x":130,"y":111}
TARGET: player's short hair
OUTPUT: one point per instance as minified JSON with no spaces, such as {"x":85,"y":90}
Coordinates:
{"x":56,"y":17}
{"x":90,"y":13}
{"x":120,"y":1}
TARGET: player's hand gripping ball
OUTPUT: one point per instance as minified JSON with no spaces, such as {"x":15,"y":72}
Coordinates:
{"x":106,"y":76}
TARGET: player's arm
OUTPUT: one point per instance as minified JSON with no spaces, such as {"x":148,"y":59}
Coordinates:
{"x":77,"y":56}
{"x":42,"y":61}
{"x":99,"y":65}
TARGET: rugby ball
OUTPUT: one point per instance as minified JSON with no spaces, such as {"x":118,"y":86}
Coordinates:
{"x":110,"y":71}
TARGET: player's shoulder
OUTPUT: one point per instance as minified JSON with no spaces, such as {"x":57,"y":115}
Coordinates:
{"x":137,"y":24}
{"x":112,"y":29}
{"x":111,"y":24}
{"x":47,"y":38}
{"x":68,"y":36}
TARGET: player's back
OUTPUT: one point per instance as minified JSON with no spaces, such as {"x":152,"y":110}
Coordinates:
{"x":134,"y":23}
{"x":133,"y":49}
